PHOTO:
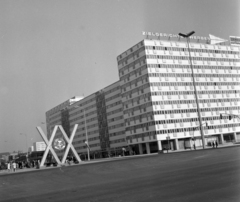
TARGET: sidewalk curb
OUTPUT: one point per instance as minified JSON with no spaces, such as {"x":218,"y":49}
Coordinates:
{"x":200,"y":148}
{"x":5,"y":172}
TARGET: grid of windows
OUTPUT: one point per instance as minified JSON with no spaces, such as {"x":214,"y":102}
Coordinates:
{"x":155,"y":96}
{"x":162,"y":85}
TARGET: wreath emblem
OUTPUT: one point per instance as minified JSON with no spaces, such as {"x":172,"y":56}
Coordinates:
{"x":59,"y":144}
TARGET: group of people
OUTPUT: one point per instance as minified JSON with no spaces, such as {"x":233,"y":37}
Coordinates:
{"x":214,"y":144}
{"x":69,"y":160}
{"x":35,"y":163}
{"x":12,"y":165}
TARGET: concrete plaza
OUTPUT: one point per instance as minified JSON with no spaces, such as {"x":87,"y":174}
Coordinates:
{"x":201,"y":175}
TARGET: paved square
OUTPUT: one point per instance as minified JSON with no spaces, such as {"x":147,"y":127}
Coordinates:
{"x":203,"y":175}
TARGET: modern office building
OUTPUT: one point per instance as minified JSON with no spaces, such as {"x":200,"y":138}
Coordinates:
{"x":153,"y":105}
{"x":158,"y":93}
{"x":99,"y":117}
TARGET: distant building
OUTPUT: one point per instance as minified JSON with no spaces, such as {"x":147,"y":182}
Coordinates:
{"x":39,"y":146}
{"x":4,"y":156}
{"x":13,"y":156}
{"x":31,"y":149}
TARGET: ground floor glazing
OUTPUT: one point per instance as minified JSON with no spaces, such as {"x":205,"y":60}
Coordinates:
{"x":183,"y":143}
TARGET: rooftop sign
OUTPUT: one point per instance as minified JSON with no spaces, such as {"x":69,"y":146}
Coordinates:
{"x":211,"y":39}
{"x":158,"y":34}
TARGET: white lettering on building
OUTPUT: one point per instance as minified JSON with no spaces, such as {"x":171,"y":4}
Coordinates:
{"x":158,"y":34}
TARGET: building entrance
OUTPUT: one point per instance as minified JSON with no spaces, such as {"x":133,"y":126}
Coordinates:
{"x":228,"y":137}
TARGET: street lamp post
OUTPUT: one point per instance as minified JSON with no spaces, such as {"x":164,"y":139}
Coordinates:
{"x":86,"y":142}
{"x":194,"y":130}
{"x":194,"y":85}
{"x":168,"y":138}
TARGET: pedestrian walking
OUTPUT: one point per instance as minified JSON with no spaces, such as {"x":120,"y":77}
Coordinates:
{"x":216,"y":144}
{"x":37,"y":165}
{"x":14,"y":166}
{"x":9,"y":167}
{"x":213,"y":144}
{"x":123,"y":151}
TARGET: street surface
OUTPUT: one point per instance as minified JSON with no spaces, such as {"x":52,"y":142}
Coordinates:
{"x":202,"y":175}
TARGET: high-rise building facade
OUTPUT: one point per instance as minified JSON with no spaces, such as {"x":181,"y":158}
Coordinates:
{"x":158,"y":97}
{"x":99,"y":117}
{"x":153,"y":105}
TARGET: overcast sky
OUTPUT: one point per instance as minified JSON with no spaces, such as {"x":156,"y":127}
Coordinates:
{"x":51,"y":50}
